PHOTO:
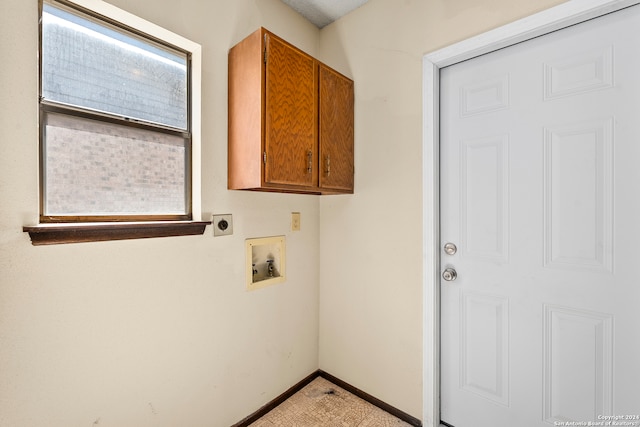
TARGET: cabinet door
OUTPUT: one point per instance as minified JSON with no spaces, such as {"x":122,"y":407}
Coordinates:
{"x":336,"y":131}
{"x":290,"y":118}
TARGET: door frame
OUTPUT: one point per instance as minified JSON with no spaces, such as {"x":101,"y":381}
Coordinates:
{"x":555,"y":18}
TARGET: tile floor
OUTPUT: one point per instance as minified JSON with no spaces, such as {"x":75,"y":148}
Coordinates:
{"x":322,"y":403}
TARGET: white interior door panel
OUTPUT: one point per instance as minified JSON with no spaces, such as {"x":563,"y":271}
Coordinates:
{"x":540,"y":155}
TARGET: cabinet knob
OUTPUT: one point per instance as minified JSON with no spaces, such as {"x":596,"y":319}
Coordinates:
{"x":309,"y":161}
{"x":328,"y":165}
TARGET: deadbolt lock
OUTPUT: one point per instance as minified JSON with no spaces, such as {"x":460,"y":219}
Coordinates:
{"x":450,"y":248}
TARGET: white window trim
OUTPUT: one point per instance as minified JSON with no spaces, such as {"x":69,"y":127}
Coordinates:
{"x":56,"y":233}
{"x":109,"y":11}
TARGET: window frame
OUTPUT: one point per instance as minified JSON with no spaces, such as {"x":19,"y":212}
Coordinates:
{"x":160,"y":224}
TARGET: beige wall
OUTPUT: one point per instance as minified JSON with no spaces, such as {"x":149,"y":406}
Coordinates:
{"x":160,"y":332}
{"x":371,"y":242}
{"x":156,"y":332}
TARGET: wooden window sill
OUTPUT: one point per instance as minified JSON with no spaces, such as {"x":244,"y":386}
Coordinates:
{"x":52,"y":234}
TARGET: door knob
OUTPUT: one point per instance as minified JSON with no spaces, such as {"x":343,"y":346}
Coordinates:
{"x":449,"y":275}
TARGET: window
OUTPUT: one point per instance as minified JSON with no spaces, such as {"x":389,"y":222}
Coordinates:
{"x":119,"y":118}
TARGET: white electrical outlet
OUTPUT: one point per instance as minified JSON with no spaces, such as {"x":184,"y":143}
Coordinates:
{"x":295,"y":221}
{"x":222,"y":225}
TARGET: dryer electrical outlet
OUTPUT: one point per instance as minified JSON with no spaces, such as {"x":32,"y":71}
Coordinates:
{"x":222,"y":225}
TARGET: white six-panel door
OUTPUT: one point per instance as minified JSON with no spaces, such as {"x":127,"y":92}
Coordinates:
{"x":540,"y":193}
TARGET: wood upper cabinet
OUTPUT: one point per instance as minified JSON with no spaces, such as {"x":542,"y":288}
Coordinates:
{"x":291,"y":130}
{"x":290,"y":120}
{"x":336,"y":131}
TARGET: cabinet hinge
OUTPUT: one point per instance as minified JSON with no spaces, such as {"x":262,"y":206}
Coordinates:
{"x":264,"y":157}
{"x":265,"y":48}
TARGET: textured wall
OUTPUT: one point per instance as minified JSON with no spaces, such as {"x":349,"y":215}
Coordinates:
{"x":371,"y":246}
{"x":161,"y":332}
{"x":155,"y":332}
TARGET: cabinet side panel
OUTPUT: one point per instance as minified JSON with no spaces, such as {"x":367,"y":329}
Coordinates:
{"x":336,"y":131}
{"x":245,"y":113}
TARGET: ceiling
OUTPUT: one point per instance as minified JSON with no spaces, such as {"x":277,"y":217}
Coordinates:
{"x":323,"y":12}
